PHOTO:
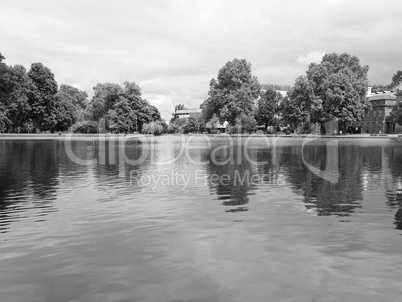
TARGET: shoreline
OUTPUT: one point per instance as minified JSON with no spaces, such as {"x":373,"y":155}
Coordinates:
{"x":50,"y":136}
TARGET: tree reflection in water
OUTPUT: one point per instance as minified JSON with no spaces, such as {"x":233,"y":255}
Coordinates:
{"x":229,"y":174}
{"x":394,"y":182}
{"x":33,"y":173}
{"x":28,"y":179}
{"x":326,"y":198}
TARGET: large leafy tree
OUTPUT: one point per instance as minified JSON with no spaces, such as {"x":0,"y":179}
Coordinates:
{"x":291,"y":114}
{"x":42,"y":95}
{"x":123,"y":108}
{"x":103,"y":100}
{"x":6,"y":82}
{"x":6,"y":87}
{"x":267,"y":107}
{"x":302,"y":106}
{"x":233,"y":93}
{"x":178,"y":125}
{"x":121,"y":117}
{"x":69,"y":105}
{"x":194,"y":123}
{"x":143,"y":111}
{"x":341,"y":83}
{"x":15,"y":87}
{"x":19,"y":109}
{"x":4,"y":121}
{"x":77,"y":97}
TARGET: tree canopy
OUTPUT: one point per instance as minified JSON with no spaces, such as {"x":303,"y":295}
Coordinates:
{"x":302,"y":105}
{"x":268,"y":107}
{"x":396,"y":79}
{"x":32,"y":101}
{"x":69,"y":105}
{"x":340,"y":82}
{"x":123,"y":107}
{"x":233,"y":93}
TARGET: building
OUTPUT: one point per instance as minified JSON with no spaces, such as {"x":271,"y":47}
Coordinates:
{"x":282,"y":89}
{"x":378,"y":120}
{"x":185,"y":112}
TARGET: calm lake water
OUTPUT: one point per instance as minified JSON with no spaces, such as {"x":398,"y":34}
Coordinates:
{"x":205,"y":219}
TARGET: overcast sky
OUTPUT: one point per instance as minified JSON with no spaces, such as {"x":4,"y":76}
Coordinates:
{"x":173,"y":48}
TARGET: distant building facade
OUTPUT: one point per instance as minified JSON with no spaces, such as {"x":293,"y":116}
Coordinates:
{"x":185,"y":113}
{"x":378,"y":120}
{"x":282,"y":89}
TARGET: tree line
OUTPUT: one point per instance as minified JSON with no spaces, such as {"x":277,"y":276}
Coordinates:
{"x":31,"y":102}
{"x":335,"y":88}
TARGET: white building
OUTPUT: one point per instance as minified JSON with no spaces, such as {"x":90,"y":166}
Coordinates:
{"x":185,"y":112}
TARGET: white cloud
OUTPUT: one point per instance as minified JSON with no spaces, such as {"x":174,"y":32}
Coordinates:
{"x":312,"y":57}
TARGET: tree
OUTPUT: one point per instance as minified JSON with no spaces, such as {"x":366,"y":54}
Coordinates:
{"x":290,"y":112}
{"x":144,"y":112}
{"x":267,"y":107}
{"x":6,"y":83}
{"x":213,"y":123}
{"x":396,"y":114}
{"x":396,"y":79}
{"x":105,"y":96}
{"x":121,"y":117}
{"x":171,"y":128}
{"x":69,"y":104}
{"x":42,"y":95}
{"x":301,"y":106}
{"x":15,"y":87}
{"x":341,"y":83}
{"x":78,"y":97}
{"x":4,"y":121}
{"x":233,"y":93}
{"x":152,"y":128}
{"x":31,"y":100}
{"x":178,"y":124}
{"x":395,"y":82}
{"x":164,"y":125}
{"x":20,"y":110}
{"x":194,"y":123}
{"x":86,"y":127}
{"x":179,"y":107}
{"x":380,"y":87}
{"x":6,"y":87}
{"x":154,"y":114}
{"x":244,"y":123}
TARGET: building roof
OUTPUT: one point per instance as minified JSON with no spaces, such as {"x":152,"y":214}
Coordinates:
{"x":188,"y":111}
{"x":385,"y":95}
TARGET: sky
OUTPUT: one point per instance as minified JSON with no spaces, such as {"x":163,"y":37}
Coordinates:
{"x":173,"y":48}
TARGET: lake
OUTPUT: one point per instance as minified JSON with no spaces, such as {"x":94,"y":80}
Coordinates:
{"x":200,"y":218}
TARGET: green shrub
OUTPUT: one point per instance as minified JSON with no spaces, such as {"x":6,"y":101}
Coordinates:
{"x":86,"y":127}
{"x":152,"y":128}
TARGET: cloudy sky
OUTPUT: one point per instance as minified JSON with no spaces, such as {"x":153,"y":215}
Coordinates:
{"x":173,"y":48}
